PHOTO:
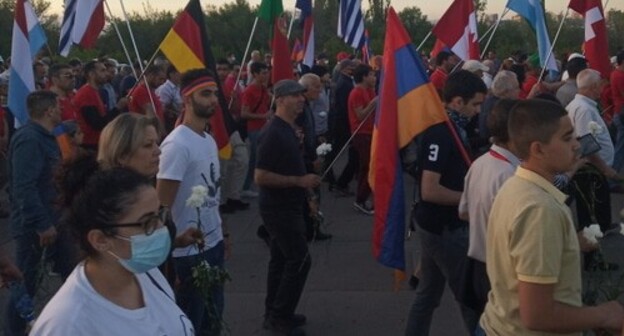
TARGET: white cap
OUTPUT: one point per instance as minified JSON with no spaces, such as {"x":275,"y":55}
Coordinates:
{"x":614,"y":60}
{"x":575,"y":55}
{"x":473,"y":66}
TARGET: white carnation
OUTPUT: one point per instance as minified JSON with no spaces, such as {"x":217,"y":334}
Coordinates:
{"x":198,"y":196}
{"x":595,"y":128}
{"x":592,"y":233}
{"x":323,"y":149}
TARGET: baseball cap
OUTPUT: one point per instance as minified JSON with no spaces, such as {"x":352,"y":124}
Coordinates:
{"x":287,"y":87}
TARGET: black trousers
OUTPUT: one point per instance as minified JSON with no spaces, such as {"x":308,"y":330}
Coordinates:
{"x":290,"y":261}
{"x":593,"y":198}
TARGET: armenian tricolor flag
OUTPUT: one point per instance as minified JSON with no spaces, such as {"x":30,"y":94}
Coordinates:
{"x":408,"y":105}
{"x":187,"y":47}
{"x":297,"y":52}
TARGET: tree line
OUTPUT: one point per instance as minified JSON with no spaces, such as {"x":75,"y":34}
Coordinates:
{"x":230,"y":25}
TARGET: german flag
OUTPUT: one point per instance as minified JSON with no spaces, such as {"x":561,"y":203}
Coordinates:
{"x":187,"y":47}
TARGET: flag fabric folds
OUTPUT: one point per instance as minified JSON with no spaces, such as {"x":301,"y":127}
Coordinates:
{"x":187,"y":47}
{"x":28,"y":39}
{"x":82,"y":23}
{"x":457,"y":28}
{"x":351,"y":23}
{"x":306,"y":18}
{"x":297,"y":52}
{"x":533,"y":12}
{"x":596,"y":44}
{"x":272,"y":12}
{"x":408,"y":105}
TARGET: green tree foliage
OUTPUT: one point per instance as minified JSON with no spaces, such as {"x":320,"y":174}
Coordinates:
{"x":229,"y":27}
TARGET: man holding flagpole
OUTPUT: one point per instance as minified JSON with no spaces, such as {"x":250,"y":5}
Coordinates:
{"x":442,"y":234}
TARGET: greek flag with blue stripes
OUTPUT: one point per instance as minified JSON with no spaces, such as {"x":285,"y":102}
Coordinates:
{"x":351,"y":23}
{"x":67,"y":28}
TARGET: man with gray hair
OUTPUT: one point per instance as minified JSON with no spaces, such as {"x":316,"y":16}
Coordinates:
{"x":566,"y":92}
{"x":313,"y":87}
{"x":504,"y":85}
{"x":593,"y":199}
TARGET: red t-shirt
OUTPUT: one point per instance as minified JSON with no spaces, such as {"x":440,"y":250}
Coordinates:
{"x":68,"y":110}
{"x":139,"y":97}
{"x":528,"y":84}
{"x":228,"y":89}
{"x":360,"y":97}
{"x":257,"y":99}
{"x":438,"y":79}
{"x":88,"y":96}
{"x":617,"y":88}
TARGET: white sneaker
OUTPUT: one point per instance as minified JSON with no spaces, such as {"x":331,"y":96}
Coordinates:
{"x":249,"y":194}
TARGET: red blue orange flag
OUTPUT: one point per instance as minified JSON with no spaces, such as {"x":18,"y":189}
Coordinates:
{"x":297,"y":52}
{"x":408,"y":105}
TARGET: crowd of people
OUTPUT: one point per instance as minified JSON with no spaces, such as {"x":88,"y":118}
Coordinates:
{"x":101,"y":181}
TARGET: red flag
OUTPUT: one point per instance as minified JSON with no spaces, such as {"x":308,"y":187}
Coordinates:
{"x":437,"y":47}
{"x":457,"y":29}
{"x":272,"y":11}
{"x":596,"y":45}
{"x":408,"y":105}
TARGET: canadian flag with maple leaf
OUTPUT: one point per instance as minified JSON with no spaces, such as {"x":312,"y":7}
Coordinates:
{"x":457,"y":29}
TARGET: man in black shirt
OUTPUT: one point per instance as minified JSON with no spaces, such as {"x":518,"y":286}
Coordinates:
{"x":443,"y":236}
{"x":281,"y":175}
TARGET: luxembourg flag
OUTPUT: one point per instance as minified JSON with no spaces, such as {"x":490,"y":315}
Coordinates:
{"x":28,"y":39}
{"x":457,"y":29}
{"x":82,"y":23}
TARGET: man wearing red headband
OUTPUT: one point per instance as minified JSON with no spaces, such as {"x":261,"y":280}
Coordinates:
{"x":189,"y":163}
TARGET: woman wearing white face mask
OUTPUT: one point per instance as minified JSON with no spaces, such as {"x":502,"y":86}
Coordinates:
{"x":117,"y":289}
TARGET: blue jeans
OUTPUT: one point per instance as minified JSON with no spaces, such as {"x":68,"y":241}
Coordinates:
{"x":252,"y":141}
{"x":189,"y":297}
{"x":441,"y":259}
{"x":28,"y":256}
{"x":618,"y":157}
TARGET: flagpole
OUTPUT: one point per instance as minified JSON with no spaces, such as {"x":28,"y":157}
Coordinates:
{"x":123,"y":44}
{"x":552,"y":47}
{"x":347,"y":143}
{"x":494,"y":25}
{"x":253,"y":31}
{"x":424,"y":40}
{"x":500,"y":18}
{"x":292,"y":21}
{"x":136,"y":50}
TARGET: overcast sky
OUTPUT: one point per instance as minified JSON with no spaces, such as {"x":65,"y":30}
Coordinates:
{"x":432,"y":8}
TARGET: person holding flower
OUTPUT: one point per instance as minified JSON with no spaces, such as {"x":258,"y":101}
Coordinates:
{"x":190,"y":159}
{"x":532,"y":255}
{"x":590,"y":184}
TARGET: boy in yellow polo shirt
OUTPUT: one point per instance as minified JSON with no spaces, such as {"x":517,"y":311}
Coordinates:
{"x":533,"y":259}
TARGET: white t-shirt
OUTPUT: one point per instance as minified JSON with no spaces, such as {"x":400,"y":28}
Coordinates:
{"x":77,"y":309}
{"x":193,"y":160}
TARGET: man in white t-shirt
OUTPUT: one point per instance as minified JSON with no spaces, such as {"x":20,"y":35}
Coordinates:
{"x":189,"y":159}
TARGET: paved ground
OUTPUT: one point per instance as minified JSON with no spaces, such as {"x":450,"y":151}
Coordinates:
{"x":347,"y":292}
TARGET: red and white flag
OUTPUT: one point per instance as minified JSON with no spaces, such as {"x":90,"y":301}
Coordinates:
{"x":457,"y":28}
{"x":596,"y":45}
{"x":82,"y":23}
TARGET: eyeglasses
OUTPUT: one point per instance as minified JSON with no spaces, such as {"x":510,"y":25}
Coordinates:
{"x":149,"y":223}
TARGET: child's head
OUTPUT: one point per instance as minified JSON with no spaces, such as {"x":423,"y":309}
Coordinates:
{"x":73,"y":130}
{"x":542,"y":134}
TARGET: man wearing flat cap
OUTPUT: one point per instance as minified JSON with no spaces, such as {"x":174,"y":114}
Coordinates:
{"x":281,"y":175}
